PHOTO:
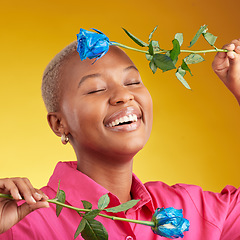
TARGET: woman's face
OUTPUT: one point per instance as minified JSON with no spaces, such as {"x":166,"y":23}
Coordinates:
{"x":105,"y":106}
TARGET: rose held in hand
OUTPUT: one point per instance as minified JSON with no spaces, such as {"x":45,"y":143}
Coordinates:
{"x":169,"y":222}
{"x":92,"y":44}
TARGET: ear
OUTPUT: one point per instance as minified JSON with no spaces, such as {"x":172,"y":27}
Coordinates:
{"x":56,"y":123}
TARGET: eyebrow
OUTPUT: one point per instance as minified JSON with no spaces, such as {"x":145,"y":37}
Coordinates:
{"x":130,"y":67}
{"x":94,"y":75}
{"x":97,"y":75}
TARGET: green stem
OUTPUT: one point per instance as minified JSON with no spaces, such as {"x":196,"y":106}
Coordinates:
{"x":127,"y":47}
{"x":164,"y":51}
{"x":6,"y":196}
{"x":55,"y":201}
{"x":147,"y":223}
{"x":205,"y":51}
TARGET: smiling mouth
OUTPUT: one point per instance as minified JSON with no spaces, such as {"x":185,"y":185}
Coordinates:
{"x":123,"y":120}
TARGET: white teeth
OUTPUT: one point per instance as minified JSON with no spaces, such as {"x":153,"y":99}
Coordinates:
{"x":129,"y":118}
{"x":134,"y":117}
{"x":126,"y":119}
{"x":121,"y":120}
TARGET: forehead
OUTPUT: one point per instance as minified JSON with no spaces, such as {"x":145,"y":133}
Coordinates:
{"x":114,"y":59}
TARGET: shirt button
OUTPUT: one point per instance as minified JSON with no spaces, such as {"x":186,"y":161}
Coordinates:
{"x":129,"y":238}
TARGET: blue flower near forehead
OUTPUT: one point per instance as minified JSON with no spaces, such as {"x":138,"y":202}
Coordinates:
{"x":92,"y":44}
{"x":169,"y":222}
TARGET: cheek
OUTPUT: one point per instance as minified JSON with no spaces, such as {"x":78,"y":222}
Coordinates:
{"x":145,"y":100}
{"x":82,"y":116}
{"x":149,"y":106}
{"x":149,"y":103}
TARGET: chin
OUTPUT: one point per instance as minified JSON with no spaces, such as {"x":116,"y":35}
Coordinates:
{"x":130,"y":148}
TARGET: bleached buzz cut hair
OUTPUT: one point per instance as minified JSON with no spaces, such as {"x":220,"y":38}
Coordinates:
{"x":51,"y":81}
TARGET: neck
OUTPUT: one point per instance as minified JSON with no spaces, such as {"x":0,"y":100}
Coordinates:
{"x":112,"y":173}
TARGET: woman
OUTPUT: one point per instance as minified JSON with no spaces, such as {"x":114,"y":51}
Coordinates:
{"x":105,"y":112}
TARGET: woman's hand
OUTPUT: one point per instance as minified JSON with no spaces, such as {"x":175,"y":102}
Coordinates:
{"x":227,"y":67}
{"x":19,"y":188}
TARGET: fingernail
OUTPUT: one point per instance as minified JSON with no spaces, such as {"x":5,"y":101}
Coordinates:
{"x":46,"y":196}
{"x":231,"y":55}
{"x":33,"y":200}
{"x":19,"y":197}
{"x":38,"y":195}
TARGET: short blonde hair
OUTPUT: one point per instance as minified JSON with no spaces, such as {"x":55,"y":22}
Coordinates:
{"x":51,"y":80}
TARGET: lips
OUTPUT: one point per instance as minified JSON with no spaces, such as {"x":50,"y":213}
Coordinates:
{"x":126,"y":119}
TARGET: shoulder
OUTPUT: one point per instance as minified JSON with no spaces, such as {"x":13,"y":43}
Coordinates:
{"x":228,"y":192}
{"x":155,"y":187}
{"x":177,"y":196}
{"x":194,"y":193}
{"x":209,"y":206}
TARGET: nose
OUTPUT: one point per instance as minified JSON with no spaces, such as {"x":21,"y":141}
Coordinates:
{"x":120,"y":95}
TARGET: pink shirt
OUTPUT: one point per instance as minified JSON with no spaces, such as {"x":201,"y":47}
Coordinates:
{"x":212,"y":216}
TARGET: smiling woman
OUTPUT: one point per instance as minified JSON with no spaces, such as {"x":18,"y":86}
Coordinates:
{"x":114,"y":77}
{"x":105,"y":112}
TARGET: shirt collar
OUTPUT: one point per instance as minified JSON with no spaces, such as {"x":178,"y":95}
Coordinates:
{"x":139,"y":191}
{"x":79,"y":186}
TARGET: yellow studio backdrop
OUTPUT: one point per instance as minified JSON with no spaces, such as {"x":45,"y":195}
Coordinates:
{"x":195,"y":137}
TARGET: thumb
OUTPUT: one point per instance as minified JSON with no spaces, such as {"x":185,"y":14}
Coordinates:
{"x":233,"y":78}
{"x":221,"y":62}
{"x":234,"y":66}
{"x":25,"y":209}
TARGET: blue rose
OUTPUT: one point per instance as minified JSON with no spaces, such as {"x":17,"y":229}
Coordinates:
{"x":92,"y":44}
{"x":169,"y":222}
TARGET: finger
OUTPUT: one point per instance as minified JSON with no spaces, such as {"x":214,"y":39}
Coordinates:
{"x":220,"y":57}
{"x":237,"y":49}
{"x":220,"y":61}
{"x":229,"y":47}
{"x":7,"y":186}
{"x":234,"y":67}
{"x":39,"y":195}
{"x":26,"y":189}
{"x":234,"y":49}
{"x":236,"y":42}
{"x":223,"y":55}
{"x":21,"y":186}
{"x":25,"y":209}
{"x":231,"y":55}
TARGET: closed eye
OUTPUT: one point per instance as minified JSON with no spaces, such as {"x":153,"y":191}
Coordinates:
{"x":133,"y":83}
{"x":96,"y":91}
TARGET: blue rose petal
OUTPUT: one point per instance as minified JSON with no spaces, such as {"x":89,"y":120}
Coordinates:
{"x":169,"y":222}
{"x":92,"y":44}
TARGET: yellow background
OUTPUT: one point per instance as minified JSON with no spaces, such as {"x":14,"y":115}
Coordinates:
{"x":196,"y":133}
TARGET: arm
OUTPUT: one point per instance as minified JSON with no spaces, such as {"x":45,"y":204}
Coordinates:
{"x":10,"y":212}
{"x":227,"y":67}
